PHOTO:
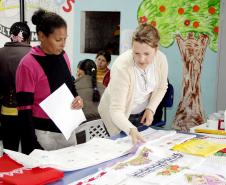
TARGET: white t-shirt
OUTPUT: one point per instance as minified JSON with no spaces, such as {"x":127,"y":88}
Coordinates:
{"x":145,"y":84}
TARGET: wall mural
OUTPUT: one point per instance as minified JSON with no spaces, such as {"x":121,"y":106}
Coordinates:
{"x":194,"y":25}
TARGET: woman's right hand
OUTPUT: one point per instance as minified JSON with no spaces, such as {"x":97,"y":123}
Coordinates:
{"x":77,"y":103}
{"x":137,"y":138}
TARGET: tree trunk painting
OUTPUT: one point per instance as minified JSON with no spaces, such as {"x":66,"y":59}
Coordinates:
{"x":190,"y":112}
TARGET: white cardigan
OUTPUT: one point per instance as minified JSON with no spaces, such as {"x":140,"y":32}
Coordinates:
{"x":116,"y":103}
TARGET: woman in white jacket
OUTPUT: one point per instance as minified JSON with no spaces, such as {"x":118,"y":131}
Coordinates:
{"x":137,"y":86}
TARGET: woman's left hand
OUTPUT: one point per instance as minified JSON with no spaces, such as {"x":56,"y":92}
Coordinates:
{"x":147,"y":118}
{"x":136,"y":136}
{"x":77,"y":103}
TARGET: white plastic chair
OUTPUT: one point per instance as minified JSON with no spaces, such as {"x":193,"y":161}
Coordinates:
{"x":92,"y":129}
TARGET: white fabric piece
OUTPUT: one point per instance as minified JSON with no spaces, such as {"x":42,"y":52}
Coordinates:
{"x":72,"y":158}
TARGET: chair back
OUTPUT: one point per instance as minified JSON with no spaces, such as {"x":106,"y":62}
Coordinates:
{"x":166,"y":102}
{"x":92,"y":129}
{"x":168,"y":98}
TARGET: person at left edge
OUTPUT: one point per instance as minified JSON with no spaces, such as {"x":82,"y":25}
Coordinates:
{"x":44,"y":69}
{"x":10,"y":56}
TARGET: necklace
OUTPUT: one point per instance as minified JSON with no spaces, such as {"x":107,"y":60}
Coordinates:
{"x":143,"y":74}
{"x":144,"y":77}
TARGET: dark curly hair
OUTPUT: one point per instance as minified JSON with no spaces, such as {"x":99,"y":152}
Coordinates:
{"x":47,"y":22}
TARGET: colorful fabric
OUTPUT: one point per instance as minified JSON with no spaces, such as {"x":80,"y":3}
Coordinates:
{"x":223,"y":150}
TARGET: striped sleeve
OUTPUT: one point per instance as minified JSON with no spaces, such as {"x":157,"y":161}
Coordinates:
{"x":25,"y":87}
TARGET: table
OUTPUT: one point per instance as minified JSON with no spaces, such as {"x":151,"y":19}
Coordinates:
{"x":79,"y":174}
{"x":70,"y":177}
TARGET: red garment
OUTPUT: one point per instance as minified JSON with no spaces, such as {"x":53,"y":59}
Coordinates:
{"x":13,"y":173}
{"x":106,"y":78}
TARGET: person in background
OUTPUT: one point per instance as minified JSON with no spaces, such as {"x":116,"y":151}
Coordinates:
{"x":10,"y":56}
{"x":137,"y":86}
{"x":43,"y":70}
{"x":102,"y":61}
{"x":88,"y":88}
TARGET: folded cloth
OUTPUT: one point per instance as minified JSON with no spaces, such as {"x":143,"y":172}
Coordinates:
{"x":13,"y":173}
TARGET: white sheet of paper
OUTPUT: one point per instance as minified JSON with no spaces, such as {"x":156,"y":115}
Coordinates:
{"x":58,"y":107}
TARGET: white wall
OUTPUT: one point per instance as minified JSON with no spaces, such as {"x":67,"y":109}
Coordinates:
{"x":221,"y":88}
{"x":127,"y":8}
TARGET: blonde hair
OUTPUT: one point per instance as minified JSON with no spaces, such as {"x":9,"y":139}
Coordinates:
{"x":145,"y":33}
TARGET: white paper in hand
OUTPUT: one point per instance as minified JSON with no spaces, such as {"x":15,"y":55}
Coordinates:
{"x":58,"y":107}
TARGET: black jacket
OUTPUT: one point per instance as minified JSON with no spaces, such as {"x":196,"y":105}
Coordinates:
{"x":10,"y":56}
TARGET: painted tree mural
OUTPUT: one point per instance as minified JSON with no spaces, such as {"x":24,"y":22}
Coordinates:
{"x":194,"y":26}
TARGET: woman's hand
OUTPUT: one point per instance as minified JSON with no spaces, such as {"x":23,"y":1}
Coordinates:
{"x":136,"y":136}
{"x":77,"y":103}
{"x":147,"y":117}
